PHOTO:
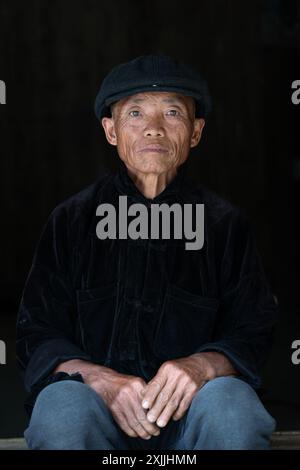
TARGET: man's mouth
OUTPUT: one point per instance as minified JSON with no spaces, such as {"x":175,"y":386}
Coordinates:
{"x":154,"y":148}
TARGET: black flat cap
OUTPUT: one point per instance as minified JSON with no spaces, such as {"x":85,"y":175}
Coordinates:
{"x":152,"y":73}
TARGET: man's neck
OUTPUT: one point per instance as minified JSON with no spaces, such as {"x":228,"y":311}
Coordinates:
{"x":151,"y":184}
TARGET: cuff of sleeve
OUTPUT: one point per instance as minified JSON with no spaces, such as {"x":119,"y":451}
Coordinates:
{"x":48,"y":356}
{"x":241,"y":364}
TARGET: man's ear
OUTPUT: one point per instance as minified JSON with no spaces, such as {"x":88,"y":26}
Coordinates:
{"x":109,"y":129}
{"x":199,"y":124}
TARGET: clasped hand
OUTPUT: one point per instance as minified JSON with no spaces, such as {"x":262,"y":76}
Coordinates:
{"x":141,"y":409}
{"x":170,"y":393}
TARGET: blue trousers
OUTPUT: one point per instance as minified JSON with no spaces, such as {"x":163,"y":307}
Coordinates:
{"x":224,"y":414}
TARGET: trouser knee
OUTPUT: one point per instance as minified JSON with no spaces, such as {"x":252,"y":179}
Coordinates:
{"x":228,"y":411}
{"x":62,"y":412}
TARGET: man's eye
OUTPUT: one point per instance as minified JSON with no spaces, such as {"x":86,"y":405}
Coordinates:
{"x":134,"y":113}
{"x":172,"y":112}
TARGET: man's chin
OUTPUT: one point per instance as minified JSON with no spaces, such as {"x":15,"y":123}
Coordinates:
{"x":152,"y":165}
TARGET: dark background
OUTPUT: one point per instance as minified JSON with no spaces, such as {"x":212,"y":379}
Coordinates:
{"x":53,"y":57}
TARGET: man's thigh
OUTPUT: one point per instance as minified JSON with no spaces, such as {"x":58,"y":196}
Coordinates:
{"x":70,"y":414}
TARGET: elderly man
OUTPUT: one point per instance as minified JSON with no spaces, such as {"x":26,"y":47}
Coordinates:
{"x":137,"y":342}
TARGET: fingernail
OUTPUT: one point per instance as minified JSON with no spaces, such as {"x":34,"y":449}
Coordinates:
{"x":145,"y":404}
{"x":151,"y":418}
{"x":161,"y":423}
{"x":157,"y":433}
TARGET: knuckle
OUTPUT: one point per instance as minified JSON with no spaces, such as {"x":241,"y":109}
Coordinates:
{"x":155,"y":382}
{"x":192,"y":387}
{"x":125,"y":390}
{"x":167,"y":365}
{"x":142,"y":418}
{"x":184,"y":404}
{"x":137,"y":382}
{"x":136,"y":424}
{"x":174,"y":402}
{"x":163,"y":397}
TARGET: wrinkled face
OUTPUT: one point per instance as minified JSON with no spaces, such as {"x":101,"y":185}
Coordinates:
{"x":153,"y":131}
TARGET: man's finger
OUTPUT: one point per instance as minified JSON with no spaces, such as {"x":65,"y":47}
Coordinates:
{"x":150,"y":428}
{"x":161,"y":402}
{"x":152,"y":390}
{"x":183,"y":406}
{"x":136,"y":425}
{"x":169,"y":410}
{"x":123,"y":423}
{"x":137,"y":420}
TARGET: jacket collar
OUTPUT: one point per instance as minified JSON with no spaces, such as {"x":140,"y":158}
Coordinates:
{"x":125,"y":186}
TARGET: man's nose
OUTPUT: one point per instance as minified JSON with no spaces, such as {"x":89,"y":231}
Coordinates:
{"x":154,"y":128}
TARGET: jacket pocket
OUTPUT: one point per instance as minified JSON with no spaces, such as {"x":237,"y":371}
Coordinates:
{"x":96,"y":311}
{"x":187,"y":321}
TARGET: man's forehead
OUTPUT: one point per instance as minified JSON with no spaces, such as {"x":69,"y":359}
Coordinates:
{"x":159,"y":96}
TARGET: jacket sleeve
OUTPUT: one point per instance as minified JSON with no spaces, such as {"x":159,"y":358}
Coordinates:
{"x":248,"y":309}
{"x":46,"y":323}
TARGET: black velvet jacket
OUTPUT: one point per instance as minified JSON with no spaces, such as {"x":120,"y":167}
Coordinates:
{"x":133,"y":304}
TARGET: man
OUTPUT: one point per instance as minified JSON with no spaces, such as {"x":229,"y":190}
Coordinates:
{"x":138,"y":342}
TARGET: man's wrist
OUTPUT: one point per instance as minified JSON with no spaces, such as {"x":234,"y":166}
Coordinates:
{"x":215,"y":364}
{"x":88,"y":370}
{"x":91,"y":373}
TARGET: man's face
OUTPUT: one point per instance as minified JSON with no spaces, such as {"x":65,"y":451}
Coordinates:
{"x":153,"y":131}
